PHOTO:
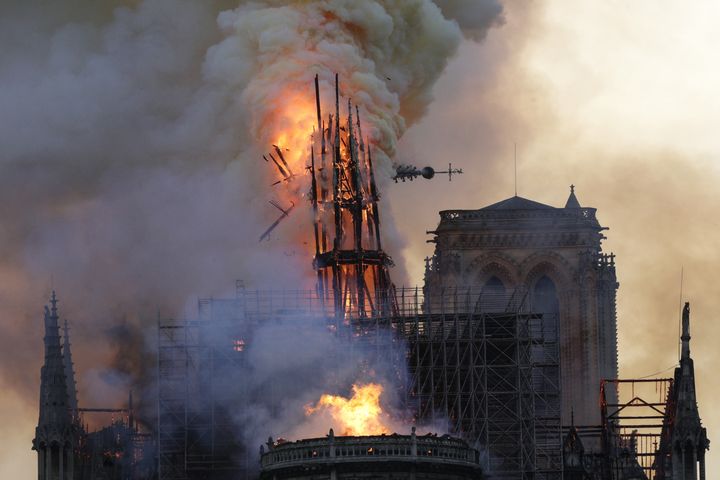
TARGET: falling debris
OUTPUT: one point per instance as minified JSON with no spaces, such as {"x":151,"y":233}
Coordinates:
{"x":282,"y":166}
{"x":285,"y":213}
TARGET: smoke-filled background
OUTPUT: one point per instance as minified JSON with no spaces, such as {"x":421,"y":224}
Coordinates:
{"x":131,"y":179}
{"x":131,"y":172}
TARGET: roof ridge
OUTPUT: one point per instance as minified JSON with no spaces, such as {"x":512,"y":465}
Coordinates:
{"x":518,"y":203}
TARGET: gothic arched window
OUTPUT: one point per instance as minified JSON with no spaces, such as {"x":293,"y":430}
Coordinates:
{"x":493,"y":295}
{"x":494,"y":286}
{"x":545,"y":301}
{"x":545,"y":296}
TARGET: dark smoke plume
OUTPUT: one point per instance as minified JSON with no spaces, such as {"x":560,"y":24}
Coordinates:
{"x":130,"y":139}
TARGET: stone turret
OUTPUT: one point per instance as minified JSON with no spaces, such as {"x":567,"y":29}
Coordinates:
{"x":55,"y":435}
{"x":689,"y":437}
{"x":572,"y":201}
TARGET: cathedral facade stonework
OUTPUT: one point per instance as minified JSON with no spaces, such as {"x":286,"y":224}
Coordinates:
{"x":552,"y":257}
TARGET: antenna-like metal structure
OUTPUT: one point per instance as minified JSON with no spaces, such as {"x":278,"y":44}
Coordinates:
{"x":515,"y":160}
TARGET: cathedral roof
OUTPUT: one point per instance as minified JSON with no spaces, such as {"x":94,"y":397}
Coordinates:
{"x":518,"y":203}
{"x":520,"y":214}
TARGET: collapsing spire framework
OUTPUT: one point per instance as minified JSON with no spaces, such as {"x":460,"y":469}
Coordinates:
{"x":351,"y":267}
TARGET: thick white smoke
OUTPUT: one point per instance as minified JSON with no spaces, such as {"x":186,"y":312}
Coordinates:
{"x":276,"y":388}
{"x":387,"y":53}
{"x":130,"y":141}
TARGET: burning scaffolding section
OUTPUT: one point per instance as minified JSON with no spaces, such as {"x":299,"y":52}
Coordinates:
{"x":122,"y":448}
{"x":352,"y":269}
{"x":462,"y":364}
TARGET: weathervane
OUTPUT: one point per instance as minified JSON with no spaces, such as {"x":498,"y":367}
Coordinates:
{"x":411,"y":172}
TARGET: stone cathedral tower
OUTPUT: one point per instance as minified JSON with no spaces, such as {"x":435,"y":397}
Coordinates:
{"x":56,"y":434}
{"x":554,"y":256}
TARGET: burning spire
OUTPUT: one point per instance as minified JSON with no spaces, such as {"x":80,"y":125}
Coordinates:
{"x":352,"y":269}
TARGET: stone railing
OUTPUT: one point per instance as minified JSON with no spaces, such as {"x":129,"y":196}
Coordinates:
{"x":332,"y":449}
{"x":470,"y":215}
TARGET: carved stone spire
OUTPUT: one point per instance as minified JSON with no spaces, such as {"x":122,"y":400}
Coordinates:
{"x":53,"y":385}
{"x":55,"y":436}
{"x":69,"y":371}
{"x":686,"y":381}
{"x":689,"y":438}
{"x":685,"y":338}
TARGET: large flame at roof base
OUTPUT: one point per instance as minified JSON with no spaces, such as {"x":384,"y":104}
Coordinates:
{"x":360,"y":414}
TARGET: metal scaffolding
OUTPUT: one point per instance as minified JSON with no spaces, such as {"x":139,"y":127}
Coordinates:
{"x":196,"y":436}
{"x":491,"y":376}
{"x":637,"y":428}
{"x":634,"y":435}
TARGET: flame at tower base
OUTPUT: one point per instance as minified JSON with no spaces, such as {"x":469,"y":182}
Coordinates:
{"x":360,"y":414}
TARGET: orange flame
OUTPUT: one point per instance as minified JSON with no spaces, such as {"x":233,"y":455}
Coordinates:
{"x":289,"y":126}
{"x":285,"y":130}
{"x":359,"y":415}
